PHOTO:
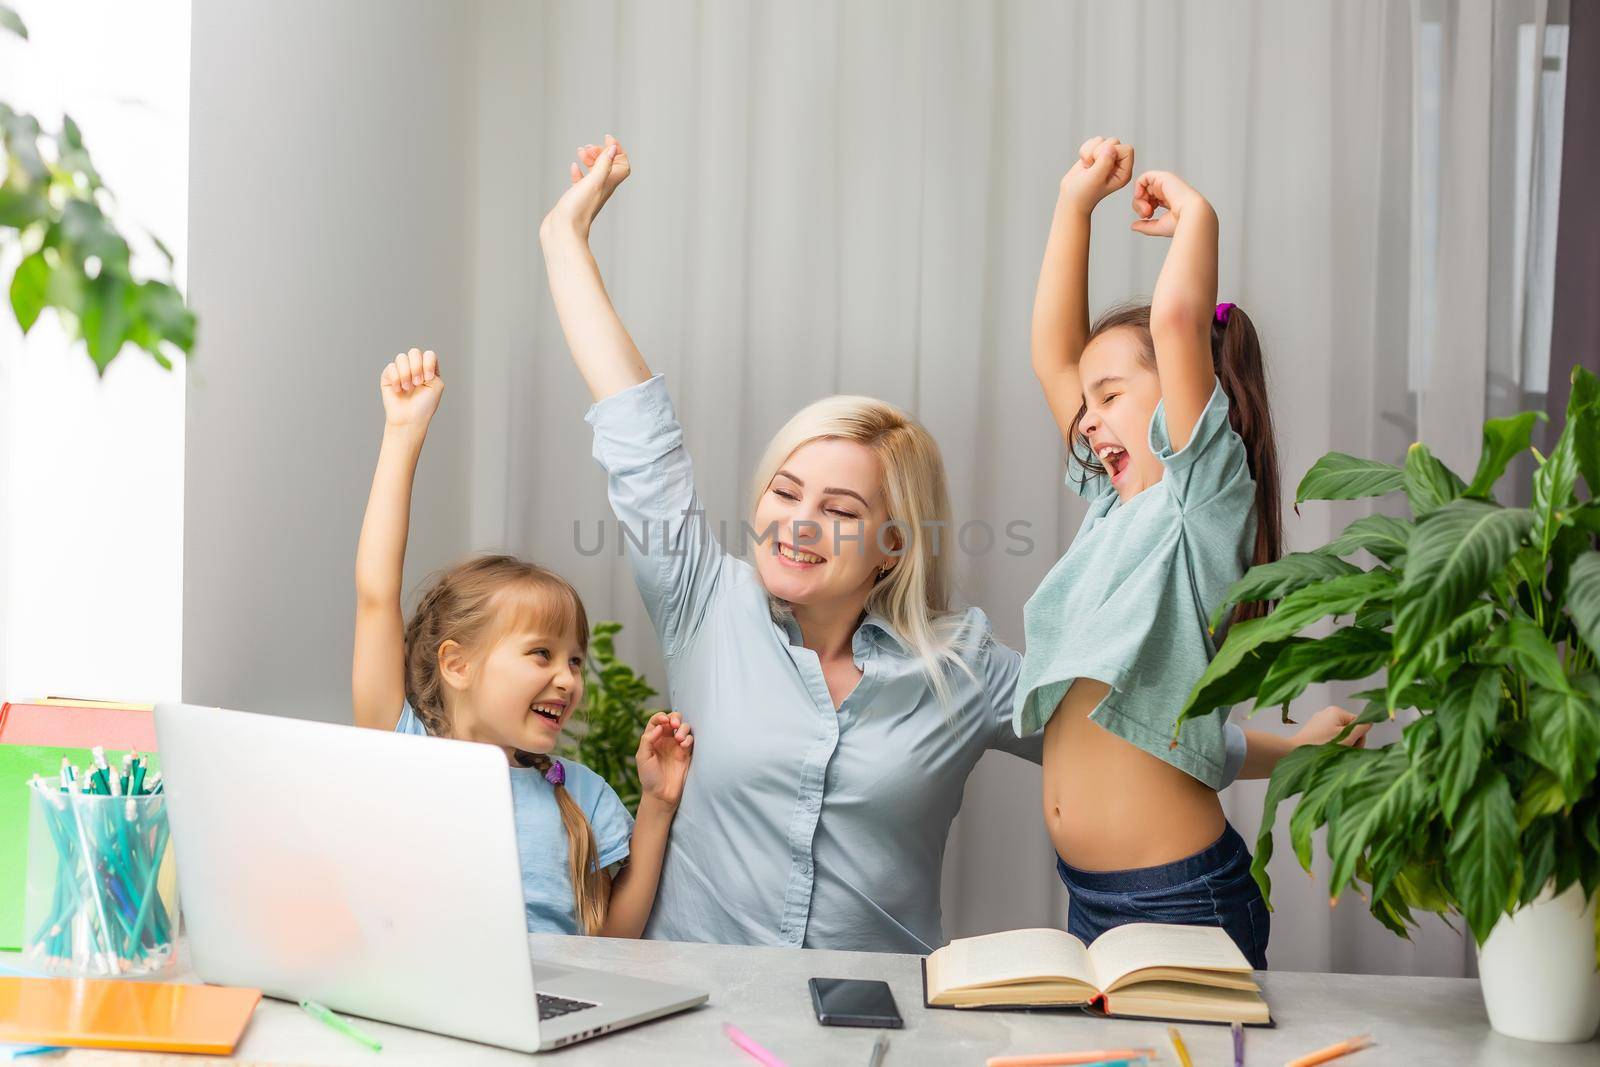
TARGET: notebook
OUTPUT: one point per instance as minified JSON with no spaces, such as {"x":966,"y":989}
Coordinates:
{"x":48,"y":722}
{"x":108,"y":1013}
{"x":1141,"y":970}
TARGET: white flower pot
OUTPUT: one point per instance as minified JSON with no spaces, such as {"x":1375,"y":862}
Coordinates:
{"x":1538,"y":970}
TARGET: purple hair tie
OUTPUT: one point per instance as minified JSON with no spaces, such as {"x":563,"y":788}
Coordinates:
{"x":1223,"y":310}
{"x":556,"y":774}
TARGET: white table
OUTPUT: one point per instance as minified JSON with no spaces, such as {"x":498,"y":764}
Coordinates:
{"x":1417,"y":1021}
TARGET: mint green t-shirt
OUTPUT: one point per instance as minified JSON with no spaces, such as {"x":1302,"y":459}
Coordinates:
{"x":1129,"y":604}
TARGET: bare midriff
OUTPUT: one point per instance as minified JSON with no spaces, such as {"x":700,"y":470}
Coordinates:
{"x":1111,"y":806}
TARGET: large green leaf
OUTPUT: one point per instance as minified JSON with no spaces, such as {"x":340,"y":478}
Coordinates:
{"x":1583,"y":411}
{"x":1337,"y":476}
{"x":1353,"y":652}
{"x":1459,"y":635}
{"x":1583,"y":598}
{"x":1381,"y":797}
{"x":1453,"y":555}
{"x":1337,"y":596}
{"x":1564,"y":735}
{"x":1538,"y":859}
{"x":1482,"y":856}
{"x":1466,"y":718}
{"x":1291,"y":775}
{"x":1553,"y":485}
{"x":1503,"y":439}
{"x":1520,"y":643}
{"x":1382,"y":535}
{"x":1539,"y":796}
{"x":1273,"y":581}
{"x":1429,"y":484}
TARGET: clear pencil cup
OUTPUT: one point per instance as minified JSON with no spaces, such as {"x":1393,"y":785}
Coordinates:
{"x":102,"y":892}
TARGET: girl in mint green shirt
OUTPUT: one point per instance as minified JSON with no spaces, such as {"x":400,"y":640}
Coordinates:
{"x":1164,"y":411}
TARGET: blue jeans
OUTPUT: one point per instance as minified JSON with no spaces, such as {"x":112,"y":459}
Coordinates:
{"x":1213,"y":887}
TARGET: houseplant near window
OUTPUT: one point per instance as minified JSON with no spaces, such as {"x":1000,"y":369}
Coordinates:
{"x":62,"y":219}
{"x":613,"y":716}
{"x":1486,"y":620}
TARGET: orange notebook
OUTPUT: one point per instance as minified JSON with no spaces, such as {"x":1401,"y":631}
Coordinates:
{"x":108,"y":1013}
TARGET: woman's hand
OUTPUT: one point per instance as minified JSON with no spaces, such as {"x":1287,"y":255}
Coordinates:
{"x":664,"y":752}
{"x":1104,"y":165}
{"x":411,"y":388}
{"x":575,"y":212}
{"x":1163,"y":189}
{"x":1327,"y":724}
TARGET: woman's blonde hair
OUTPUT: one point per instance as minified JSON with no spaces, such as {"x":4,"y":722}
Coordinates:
{"x":473,"y":604}
{"x":914,"y":595}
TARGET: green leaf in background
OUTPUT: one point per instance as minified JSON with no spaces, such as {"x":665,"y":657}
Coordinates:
{"x":1467,"y":718}
{"x":21,"y":208}
{"x":1337,"y":476}
{"x":1384,"y":536}
{"x":613,"y":716}
{"x":1453,"y":553}
{"x":9,"y":20}
{"x":53,"y":204}
{"x":1583,"y":411}
{"x":28,"y":287}
{"x":1503,"y":440}
{"x":1273,"y":581}
{"x":1343,"y":655}
{"x":1482,"y":857}
{"x":1429,"y":484}
{"x":1583,"y":599}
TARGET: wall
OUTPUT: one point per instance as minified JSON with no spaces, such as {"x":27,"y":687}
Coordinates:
{"x":329,"y":227}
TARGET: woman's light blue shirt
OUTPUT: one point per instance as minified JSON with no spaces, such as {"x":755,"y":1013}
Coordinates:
{"x":542,"y":840}
{"x":800,"y":824}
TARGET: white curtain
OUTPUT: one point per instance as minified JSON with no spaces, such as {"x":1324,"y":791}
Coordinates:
{"x":853,"y":197}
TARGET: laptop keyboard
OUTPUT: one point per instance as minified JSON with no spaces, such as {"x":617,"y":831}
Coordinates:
{"x":554,"y":1007}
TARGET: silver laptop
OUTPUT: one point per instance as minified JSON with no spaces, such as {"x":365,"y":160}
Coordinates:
{"x":376,"y":873}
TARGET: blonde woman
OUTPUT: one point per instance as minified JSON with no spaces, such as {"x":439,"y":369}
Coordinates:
{"x":839,"y":703}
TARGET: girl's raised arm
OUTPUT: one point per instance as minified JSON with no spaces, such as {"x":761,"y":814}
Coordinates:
{"x":1185,"y":298}
{"x":411,"y":388}
{"x":601,"y":347}
{"x":1061,"y":302}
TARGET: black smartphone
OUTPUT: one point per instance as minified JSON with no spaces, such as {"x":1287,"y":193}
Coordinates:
{"x":852,"y":1002}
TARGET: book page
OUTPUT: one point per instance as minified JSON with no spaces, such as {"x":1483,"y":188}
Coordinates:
{"x":1011,"y":956}
{"x":1136,"y":946}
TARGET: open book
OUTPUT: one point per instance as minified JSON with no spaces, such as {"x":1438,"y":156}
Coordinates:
{"x":1141,"y":969}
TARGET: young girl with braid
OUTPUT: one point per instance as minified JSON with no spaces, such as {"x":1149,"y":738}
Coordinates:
{"x":494,"y":654}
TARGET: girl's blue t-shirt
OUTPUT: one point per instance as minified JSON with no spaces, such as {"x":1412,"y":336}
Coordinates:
{"x":542,"y":840}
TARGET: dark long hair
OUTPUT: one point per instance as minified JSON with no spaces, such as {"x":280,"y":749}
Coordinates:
{"x":1236,"y":357}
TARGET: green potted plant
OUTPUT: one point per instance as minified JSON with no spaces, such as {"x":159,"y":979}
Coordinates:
{"x":613,"y":716}
{"x":1486,"y":620}
{"x":61,"y":218}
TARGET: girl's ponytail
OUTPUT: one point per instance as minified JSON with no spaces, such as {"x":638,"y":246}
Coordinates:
{"x":591,"y":889}
{"x":1236,"y":355}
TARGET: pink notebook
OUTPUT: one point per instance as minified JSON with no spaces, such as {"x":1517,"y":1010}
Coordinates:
{"x":71,"y":726}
